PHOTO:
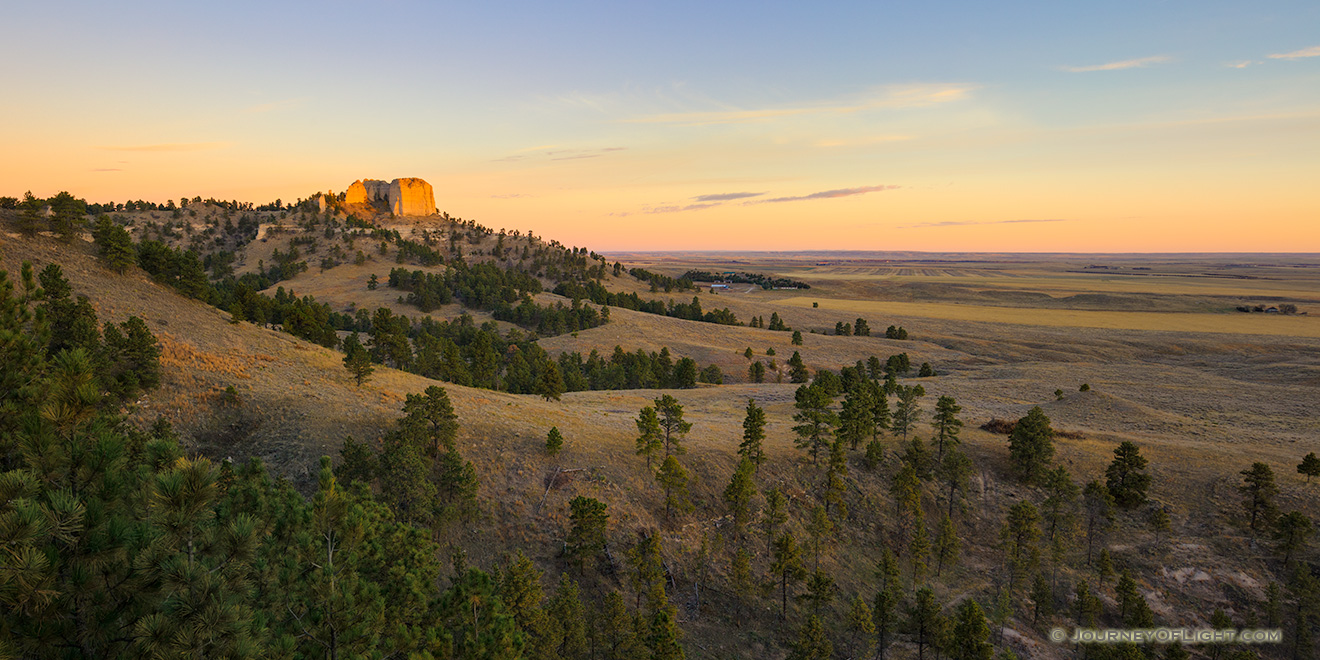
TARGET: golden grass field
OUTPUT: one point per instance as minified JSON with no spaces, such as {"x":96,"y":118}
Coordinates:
{"x":1204,"y":395}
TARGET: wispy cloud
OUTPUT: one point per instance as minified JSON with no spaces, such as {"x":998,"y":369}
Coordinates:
{"x":1239,"y":64}
{"x":894,"y":96}
{"x":726,"y":197}
{"x":173,"y":146}
{"x":107,"y":169}
{"x":538,"y":153}
{"x":1139,"y":63}
{"x":510,"y":196}
{"x":827,"y":194}
{"x":679,"y":208}
{"x":963,"y":223}
{"x":1313,"y":51}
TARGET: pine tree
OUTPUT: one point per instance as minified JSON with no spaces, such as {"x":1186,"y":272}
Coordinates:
{"x":550,"y":386}
{"x":1291,"y":533}
{"x":650,"y":440}
{"x":946,"y":424}
{"x":919,"y":548}
{"x":1042,"y":599}
{"x":774,"y":515}
{"x":813,"y":643}
{"x":1104,"y":566}
{"x":1086,"y":606}
{"x":114,"y":245}
{"x":880,"y":417}
{"x":753,"y":435}
{"x":1099,"y":505}
{"x":618,"y":631}
{"x":66,"y":216}
{"x":1030,"y":446}
{"x":664,"y":637}
{"x":797,"y":338}
{"x":786,"y":567}
{"x":820,"y":591}
{"x":554,"y":441}
{"x":954,"y":471}
{"x":1132,"y":607}
{"x":816,"y":421}
{"x":1125,"y":477}
{"x":1259,"y":490}
{"x":855,"y":419}
{"x":860,"y":625}
{"x":906,"y":413}
{"x":906,"y":491}
{"x":521,"y":592}
{"x":888,"y":600}
{"x":835,"y":487}
{"x":1310,"y":466}
{"x":672,"y":426}
{"x":586,"y":539}
{"x":819,"y":527}
{"x":970,"y":637}
{"x":947,"y":545}
{"x":756,"y":371}
{"x":566,"y":613}
{"x":647,"y":572}
{"x":797,"y":369}
{"x":925,"y":622}
{"x":738,"y":495}
{"x":674,"y":479}
{"x":29,"y":217}
{"x":357,"y":360}
{"x":1019,"y":538}
{"x":1159,"y":523}
{"x":740,"y":579}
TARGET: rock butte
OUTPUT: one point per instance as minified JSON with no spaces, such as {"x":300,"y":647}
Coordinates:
{"x":407,"y":196}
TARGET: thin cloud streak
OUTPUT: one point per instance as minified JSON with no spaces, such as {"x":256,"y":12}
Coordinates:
{"x":964,"y":223}
{"x":1138,"y":63}
{"x":107,"y":169}
{"x":726,"y":197}
{"x":169,"y":147}
{"x":558,"y":154}
{"x":903,"y":96}
{"x":1313,"y":51}
{"x":827,"y":194}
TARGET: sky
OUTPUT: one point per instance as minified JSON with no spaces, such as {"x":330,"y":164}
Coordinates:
{"x":944,"y":126}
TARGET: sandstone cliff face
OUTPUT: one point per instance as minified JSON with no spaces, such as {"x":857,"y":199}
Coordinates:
{"x":408,"y":196}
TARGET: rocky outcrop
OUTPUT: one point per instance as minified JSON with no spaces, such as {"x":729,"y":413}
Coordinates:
{"x":408,"y":196}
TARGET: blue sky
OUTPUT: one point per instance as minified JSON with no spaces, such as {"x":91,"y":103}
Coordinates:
{"x":1184,"y":124}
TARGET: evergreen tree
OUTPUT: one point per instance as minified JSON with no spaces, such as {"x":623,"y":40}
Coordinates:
{"x":650,"y":440}
{"x":1086,"y":605}
{"x":1159,"y":523}
{"x":820,"y":591}
{"x":357,"y":463}
{"x":664,"y":637}
{"x":586,"y":539}
{"x":906,"y":491}
{"x":66,"y":216}
{"x":1125,"y":478}
{"x":1310,"y":466}
{"x":835,"y":487}
{"x":880,"y":417}
{"x":947,"y":545}
{"x":925,"y":622}
{"x":954,"y":471}
{"x":738,"y":495}
{"x":786,"y":567}
{"x":554,"y":441}
{"x":774,"y":515}
{"x":1258,"y":491}
{"x":797,"y":369}
{"x":1292,"y":531}
{"x":674,"y":479}
{"x":946,"y":424}
{"x":888,"y":600}
{"x":819,"y":527}
{"x":855,"y":421}
{"x":753,"y":434}
{"x":647,"y":573}
{"x":1099,"y":505}
{"x":618,"y":639}
{"x":919,"y":548}
{"x":1104,"y":566}
{"x":550,"y":386}
{"x":797,"y":338}
{"x":566,"y":613}
{"x":1019,"y":538}
{"x":815,"y":420}
{"x":672,"y":426}
{"x":1132,"y":607}
{"x":906,"y":413}
{"x":740,"y":578}
{"x":1042,"y":599}
{"x":29,"y":217}
{"x":813,"y":643}
{"x":357,"y":360}
{"x":970,"y":636}
{"x":114,"y":245}
{"x":756,"y":371}
{"x":1030,"y":446}
{"x":860,"y":625}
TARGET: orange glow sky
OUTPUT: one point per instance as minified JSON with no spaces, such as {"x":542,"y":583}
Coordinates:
{"x":1182,"y":127}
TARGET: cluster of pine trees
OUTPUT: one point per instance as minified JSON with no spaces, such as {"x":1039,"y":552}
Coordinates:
{"x":597,"y":293}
